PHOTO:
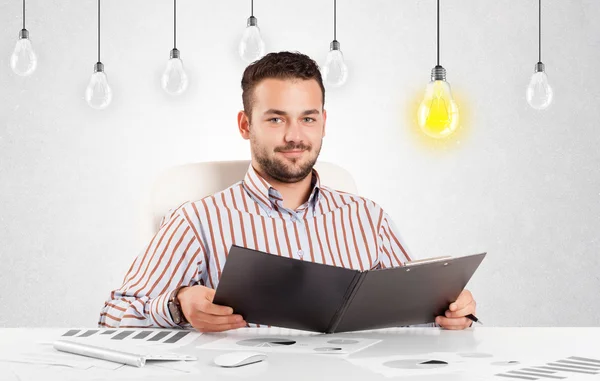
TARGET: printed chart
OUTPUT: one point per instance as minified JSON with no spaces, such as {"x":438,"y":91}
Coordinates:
{"x":300,"y":344}
{"x":138,"y":337}
{"x":482,"y":364}
{"x":565,"y":369}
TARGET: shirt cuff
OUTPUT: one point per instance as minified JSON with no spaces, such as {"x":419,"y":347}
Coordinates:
{"x":159,"y":311}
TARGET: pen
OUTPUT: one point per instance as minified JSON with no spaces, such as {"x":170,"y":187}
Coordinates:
{"x":474,"y":318}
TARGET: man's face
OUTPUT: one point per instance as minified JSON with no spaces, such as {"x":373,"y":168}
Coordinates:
{"x":287,"y":127}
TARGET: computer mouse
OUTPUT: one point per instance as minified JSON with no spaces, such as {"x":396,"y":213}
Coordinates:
{"x":239,"y":358}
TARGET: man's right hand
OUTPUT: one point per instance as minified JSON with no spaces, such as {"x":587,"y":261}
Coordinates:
{"x":203,"y":315}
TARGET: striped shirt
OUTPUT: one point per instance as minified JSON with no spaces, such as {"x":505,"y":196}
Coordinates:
{"x":191,"y":246}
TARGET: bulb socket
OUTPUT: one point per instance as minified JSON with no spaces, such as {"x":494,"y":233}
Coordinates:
{"x":335,"y":45}
{"x":539,"y":67}
{"x":438,"y":73}
{"x":24,"y":33}
{"x":252,"y":21}
{"x":175,"y":53}
{"x":98,"y":67}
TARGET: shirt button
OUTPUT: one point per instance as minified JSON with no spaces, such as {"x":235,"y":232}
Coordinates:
{"x":300,"y":252}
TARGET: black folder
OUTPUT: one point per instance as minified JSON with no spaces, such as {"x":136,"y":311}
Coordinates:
{"x":268,"y":289}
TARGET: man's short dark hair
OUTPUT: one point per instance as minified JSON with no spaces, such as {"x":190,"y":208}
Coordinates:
{"x":280,"y":65}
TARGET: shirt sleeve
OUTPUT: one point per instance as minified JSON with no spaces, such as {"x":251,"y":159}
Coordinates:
{"x":173,"y":258}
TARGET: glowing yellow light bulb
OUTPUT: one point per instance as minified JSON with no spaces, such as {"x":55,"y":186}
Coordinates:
{"x":438,"y":113}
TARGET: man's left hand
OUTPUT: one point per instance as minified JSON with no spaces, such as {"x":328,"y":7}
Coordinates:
{"x":455,"y":315}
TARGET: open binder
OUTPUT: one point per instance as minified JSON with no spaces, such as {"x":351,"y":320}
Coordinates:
{"x":284,"y":292}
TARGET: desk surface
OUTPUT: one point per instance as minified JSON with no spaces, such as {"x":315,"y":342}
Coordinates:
{"x":545,"y":344}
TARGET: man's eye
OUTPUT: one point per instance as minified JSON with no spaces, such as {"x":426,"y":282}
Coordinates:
{"x":309,"y":120}
{"x":275,"y":120}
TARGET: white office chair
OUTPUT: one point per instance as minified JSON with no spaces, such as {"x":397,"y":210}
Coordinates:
{"x":192,"y":182}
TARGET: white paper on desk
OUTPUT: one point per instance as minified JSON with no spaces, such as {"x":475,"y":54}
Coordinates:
{"x":554,"y":357}
{"x":181,"y":366}
{"x":146,"y":344}
{"x":308,"y":344}
{"x":51,"y":373}
{"x":35,"y":371}
{"x":417,"y":364}
{"x":7,"y":373}
{"x":32,"y":372}
{"x":44,"y":354}
{"x":400,"y":365}
{"x":31,"y":361}
{"x":119,"y":352}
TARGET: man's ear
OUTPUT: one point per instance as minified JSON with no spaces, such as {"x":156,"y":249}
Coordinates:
{"x":244,"y":125}
{"x":324,"y":121}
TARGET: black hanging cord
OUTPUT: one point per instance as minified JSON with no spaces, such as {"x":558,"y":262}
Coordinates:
{"x":540,"y":31}
{"x":251,"y":7}
{"x":438,"y":32}
{"x":23,"y":14}
{"x":98,"y":30}
{"x":174,"y":24}
{"x":334,"y":19}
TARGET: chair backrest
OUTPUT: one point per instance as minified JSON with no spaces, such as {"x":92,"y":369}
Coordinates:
{"x":192,"y":182}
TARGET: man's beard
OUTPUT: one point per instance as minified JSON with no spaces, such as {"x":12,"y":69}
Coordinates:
{"x":278,"y":169}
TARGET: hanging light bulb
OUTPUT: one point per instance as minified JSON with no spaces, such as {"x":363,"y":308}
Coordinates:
{"x":23,"y":60}
{"x":98,"y":93}
{"x":335,"y":71}
{"x":438,"y":114}
{"x":252,"y":46}
{"x":174,"y":79}
{"x":539,"y":92}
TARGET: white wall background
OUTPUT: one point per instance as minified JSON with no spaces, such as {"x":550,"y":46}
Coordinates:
{"x":520,"y":184}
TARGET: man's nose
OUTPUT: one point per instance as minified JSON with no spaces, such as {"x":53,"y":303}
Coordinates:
{"x":293,"y":132}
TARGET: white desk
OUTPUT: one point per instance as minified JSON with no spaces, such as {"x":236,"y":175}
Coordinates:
{"x":550,"y":344}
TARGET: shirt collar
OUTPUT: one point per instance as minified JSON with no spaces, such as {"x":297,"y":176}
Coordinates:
{"x":268,"y":197}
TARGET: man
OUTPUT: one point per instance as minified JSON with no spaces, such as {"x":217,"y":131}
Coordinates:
{"x":280,"y":207}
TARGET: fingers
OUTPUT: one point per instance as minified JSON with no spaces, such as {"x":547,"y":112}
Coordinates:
{"x":201,"y":299}
{"x":454,"y":318}
{"x":204,"y":317}
{"x":207,"y":327}
{"x":215,"y":323}
{"x":214,"y":309}
{"x":453,"y":323}
{"x":198,"y":309}
{"x":462,"y":301}
{"x":468,"y":309}
{"x":209,"y":294}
